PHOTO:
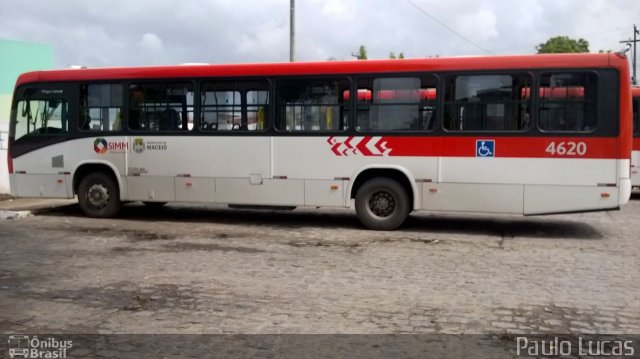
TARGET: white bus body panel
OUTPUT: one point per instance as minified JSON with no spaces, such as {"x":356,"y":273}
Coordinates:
{"x":37,"y":173}
{"x":42,"y":185}
{"x":163,"y":166}
{"x":635,"y":168}
{"x":206,"y":156}
{"x":273,"y":192}
{"x":321,"y":193}
{"x":195,"y":189}
{"x":151,"y":188}
{"x":473,"y":197}
{"x":542,"y":199}
{"x":41,"y":179}
{"x":517,"y":185}
{"x":303,"y":171}
{"x":542,"y":171}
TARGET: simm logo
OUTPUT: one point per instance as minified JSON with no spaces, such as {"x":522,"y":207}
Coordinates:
{"x":102,"y":146}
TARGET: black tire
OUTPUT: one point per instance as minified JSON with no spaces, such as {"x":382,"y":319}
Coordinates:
{"x":154,"y":204}
{"x":99,"y":195}
{"x":382,"y":204}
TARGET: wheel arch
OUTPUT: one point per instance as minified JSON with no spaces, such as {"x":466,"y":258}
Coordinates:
{"x":86,"y":167}
{"x":398,"y":173}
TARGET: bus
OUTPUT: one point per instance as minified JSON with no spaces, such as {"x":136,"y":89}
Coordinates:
{"x":526,"y":134}
{"x":635,"y":155}
{"x":18,"y":346}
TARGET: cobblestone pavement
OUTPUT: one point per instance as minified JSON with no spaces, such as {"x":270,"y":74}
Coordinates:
{"x":209,"y":269}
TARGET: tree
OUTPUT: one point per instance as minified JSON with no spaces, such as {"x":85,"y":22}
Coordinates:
{"x":361,"y":54}
{"x":401,"y":56}
{"x":563,"y":44}
{"x":392,"y":55}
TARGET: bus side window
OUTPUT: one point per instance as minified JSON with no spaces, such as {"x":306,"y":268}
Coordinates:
{"x":257,"y":109}
{"x":221,"y":110}
{"x":396,"y":103}
{"x":161,"y":106}
{"x":100,"y":107}
{"x":318,"y":105}
{"x":494,"y":102}
{"x":234,"y":105}
{"x":169,"y":120}
{"x":568,"y":102}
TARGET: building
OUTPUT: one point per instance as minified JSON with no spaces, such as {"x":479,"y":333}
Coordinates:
{"x":17,"y":57}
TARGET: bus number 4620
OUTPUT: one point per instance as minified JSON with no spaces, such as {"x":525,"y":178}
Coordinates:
{"x":567,"y":148}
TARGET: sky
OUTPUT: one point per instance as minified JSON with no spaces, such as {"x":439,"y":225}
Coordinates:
{"x":104,"y":33}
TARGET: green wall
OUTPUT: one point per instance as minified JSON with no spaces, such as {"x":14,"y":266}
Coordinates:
{"x":17,"y":57}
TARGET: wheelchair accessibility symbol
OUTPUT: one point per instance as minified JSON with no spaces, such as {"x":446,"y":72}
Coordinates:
{"x":485,"y":148}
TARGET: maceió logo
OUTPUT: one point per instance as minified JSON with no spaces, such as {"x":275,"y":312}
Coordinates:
{"x":138,"y":145}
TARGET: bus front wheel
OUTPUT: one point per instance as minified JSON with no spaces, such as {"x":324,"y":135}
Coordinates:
{"x":382,"y":204}
{"x":99,"y":195}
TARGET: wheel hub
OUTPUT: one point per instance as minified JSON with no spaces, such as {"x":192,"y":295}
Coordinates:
{"x":98,"y":195}
{"x":382,"y":204}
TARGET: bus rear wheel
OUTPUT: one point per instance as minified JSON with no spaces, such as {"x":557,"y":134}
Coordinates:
{"x":99,"y":195}
{"x":382,"y":204}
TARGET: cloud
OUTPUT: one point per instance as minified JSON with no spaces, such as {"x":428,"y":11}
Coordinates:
{"x":151,"y":42}
{"x":269,"y":42}
{"x":341,"y":8}
{"x":480,"y":25}
{"x":124,"y":32}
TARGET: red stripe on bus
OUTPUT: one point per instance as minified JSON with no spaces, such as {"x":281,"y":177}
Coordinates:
{"x":517,"y":147}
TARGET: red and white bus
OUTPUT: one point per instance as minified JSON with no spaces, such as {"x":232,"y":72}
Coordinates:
{"x":534,"y":134}
{"x":635,"y":155}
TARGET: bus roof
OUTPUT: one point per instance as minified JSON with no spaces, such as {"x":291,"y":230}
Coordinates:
{"x":330,"y":67}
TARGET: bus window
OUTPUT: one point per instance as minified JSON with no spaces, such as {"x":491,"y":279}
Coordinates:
{"x":101,"y":107}
{"x":161,"y":107}
{"x":41,"y":117}
{"x":396,"y":104}
{"x":239,"y":105}
{"x":487,"y":103}
{"x":221,"y":110}
{"x":257,"y":102}
{"x":568,"y":102}
{"x":312,"y":105}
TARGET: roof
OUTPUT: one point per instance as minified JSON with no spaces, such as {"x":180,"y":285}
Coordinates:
{"x":331,"y":67}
